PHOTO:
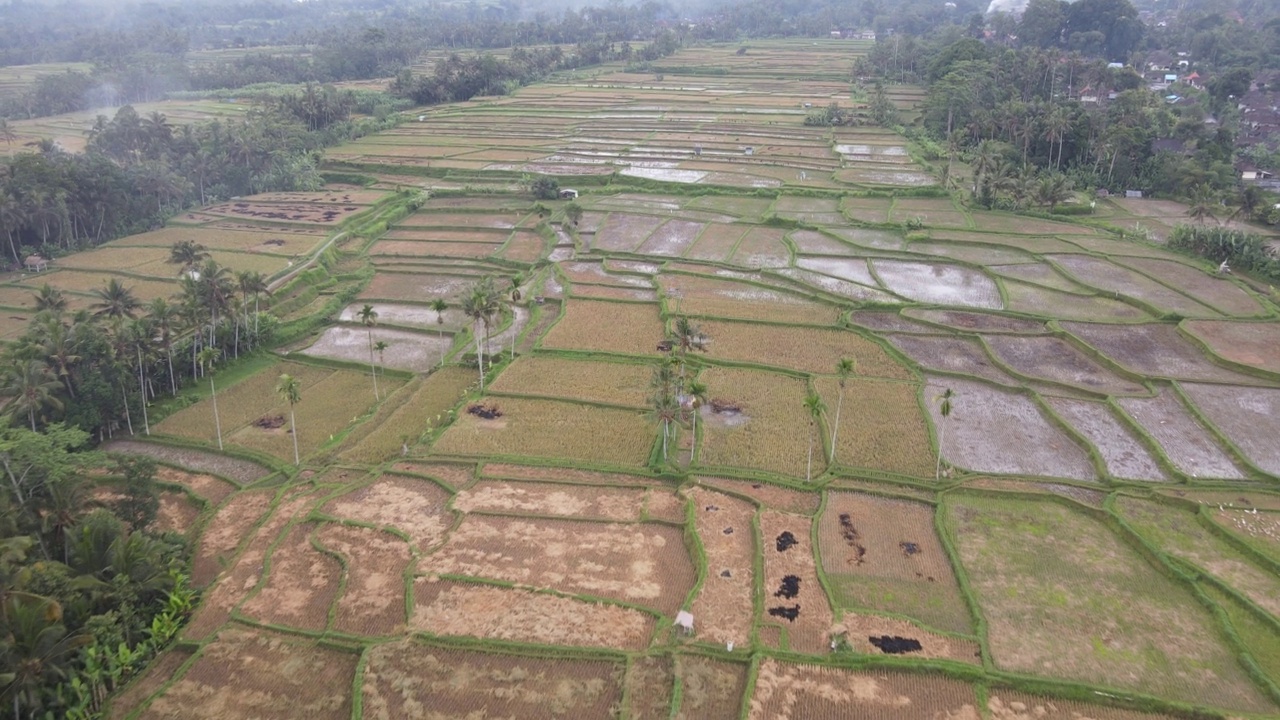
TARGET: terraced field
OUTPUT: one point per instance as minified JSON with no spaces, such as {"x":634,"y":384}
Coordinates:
{"x":1041,"y":482}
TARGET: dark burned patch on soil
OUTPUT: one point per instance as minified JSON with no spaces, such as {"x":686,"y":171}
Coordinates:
{"x":785,"y":541}
{"x":269,"y":422}
{"x":895,"y":645}
{"x":909,"y":548}
{"x":789,"y":588}
{"x":852,"y":538}
{"x":788,"y":613}
{"x":721,"y":406}
{"x":487,"y":412}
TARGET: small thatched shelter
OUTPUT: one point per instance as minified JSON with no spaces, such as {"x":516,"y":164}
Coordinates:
{"x":36,"y":263}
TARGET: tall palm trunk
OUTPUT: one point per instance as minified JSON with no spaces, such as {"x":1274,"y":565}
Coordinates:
{"x":937,"y":470}
{"x":373,"y":369}
{"x":217,"y":422}
{"x":128,"y":418}
{"x":808,"y":472}
{"x":142,"y":388}
{"x":480,"y":360}
{"x":173,"y":381}
{"x":293,"y":430}
{"x":835,"y":431}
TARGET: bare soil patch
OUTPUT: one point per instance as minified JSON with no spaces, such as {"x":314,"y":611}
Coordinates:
{"x":878,"y":635}
{"x":301,"y":584}
{"x":1123,"y":453}
{"x":177,"y":513}
{"x":663,"y":504}
{"x":885,"y":555}
{"x":405,"y":679}
{"x":564,"y":475}
{"x":978,"y":322}
{"x":445,"y":607}
{"x":1057,"y":360}
{"x":600,"y":503}
{"x":785,"y":691}
{"x":1155,"y":350}
{"x":414,"y":507}
{"x":883,"y":321}
{"x":724,"y":609}
{"x":1188,"y":444}
{"x":991,"y":430}
{"x":252,"y":673}
{"x":646,"y":564}
{"x":373,"y":601}
{"x":1251,"y":344}
{"x":1012,"y":705}
{"x":792,"y":594}
{"x":952,"y":354}
{"x":1249,"y":417}
{"x":451,"y":474}
{"x":157,"y":673}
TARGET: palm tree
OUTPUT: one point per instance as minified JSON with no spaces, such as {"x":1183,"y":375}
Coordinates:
{"x":51,"y":299}
{"x":381,"y":347}
{"x":1203,"y":204}
{"x":369,"y":317}
{"x":844,"y":369}
{"x":164,"y":316}
{"x":187,"y":255}
{"x":1250,"y":200}
{"x":1053,"y":190}
{"x":688,"y":336}
{"x":32,"y":388}
{"x":944,"y":409}
{"x":984,"y":159}
{"x":439,"y":306}
{"x":816,"y":408}
{"x":138,"y":334}
{"x":115,"y":301}
{"x":7,"y":133}
{"x":697,"y":393}
{"x":291,"y":390}
{"x":479,"y":305}
{"x":665,"y":410}
{"x":516,"y":281}
{"x":252,"y":283}
{"x":208,"y":357}
{"x":38,"y":647}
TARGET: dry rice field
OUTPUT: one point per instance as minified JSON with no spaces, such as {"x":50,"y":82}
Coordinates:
{"x":519,"y":545}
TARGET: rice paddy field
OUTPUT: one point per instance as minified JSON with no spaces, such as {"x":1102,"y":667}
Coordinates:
{"x":999,"y":468}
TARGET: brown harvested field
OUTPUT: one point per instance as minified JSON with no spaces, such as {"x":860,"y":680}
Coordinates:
{"x":405,"y":679}
{"x":769,"y":432}
{"x":530,"y":498}
{"x":524,"y":247}
{"x":885,"y":555}
{"x":1045,"y":302}
{"x":301,"y":584}
{"x":610,"y":292}
{"x":295,"y":212}
{"x":775,"y":497}
{"x":762,"y":247}
{"x":234,"y":469}
{"x":551,"y":429}
{"x":415,"y":507}
{"x":602,"y":326}
{"x":462,"y":220}
{"x":158,"y":672}
{"x":646,"y":564}
{"x":712,"y":688}
{"x":1059,"y":361}
{"x":650,"y":681}
{"x":1220,"y":293}
{"x":795,"y":692}
{"x":881,"y":425}
{"x":212,"y":489}
{"x":237,"y":582}
{"x":952,"y":354}
{"x":612,"y":383}
{"x":446,"y":607}
{"x":1155,"y":350}
{"x":254,"y":673}
{"x":663,"y":504}
{"x":564,"y":475}
{"x":455,"y":475}
{"x":224,"y":533}
{"x":717,"y":242}
{"x":425,"y":249}
{"x":177,"y":513}
{"x":621,"y":232}
{"x":1112,"y":279}
{"x":724,"y":608}
{"x":375,"y":562}
{"x":809,"y":349}
{"x":1012,"y":705}
{"x":1074,"y":617}
{"x":1246,"y":343}
{"x":793,"y":597}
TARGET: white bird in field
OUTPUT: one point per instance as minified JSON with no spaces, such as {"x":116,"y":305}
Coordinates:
{"x":1224,"y":268}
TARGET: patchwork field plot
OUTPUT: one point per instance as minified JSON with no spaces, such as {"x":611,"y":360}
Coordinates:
{"x":529,"y":549}
{"x":1073,"y":573}
{"x":884,"y":555}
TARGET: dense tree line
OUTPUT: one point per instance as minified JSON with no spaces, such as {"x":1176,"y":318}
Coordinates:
{"x":89,"y":590}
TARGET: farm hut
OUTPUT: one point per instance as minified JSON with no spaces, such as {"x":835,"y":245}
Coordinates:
{"x":568,"y":194}
{"x":684,"y":621}
{"x":36,"y":263}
